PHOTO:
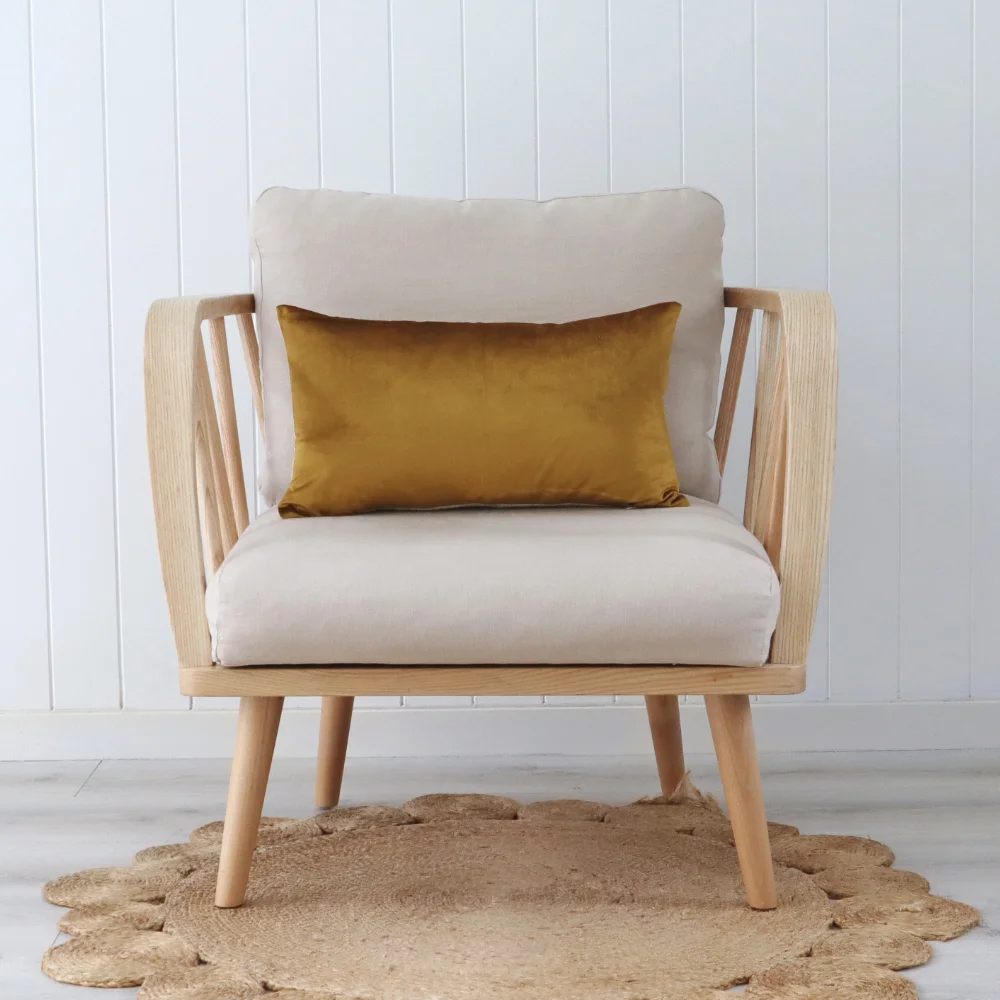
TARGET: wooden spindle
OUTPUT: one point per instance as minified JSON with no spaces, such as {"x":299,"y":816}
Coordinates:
{"x":228,"y":429}
{"x":731,"y":385}
{"x":251,"y":355}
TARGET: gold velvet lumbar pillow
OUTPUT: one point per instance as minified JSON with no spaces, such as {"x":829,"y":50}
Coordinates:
{"x":410,"y":415}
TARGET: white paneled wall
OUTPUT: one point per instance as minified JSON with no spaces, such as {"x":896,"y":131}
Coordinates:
{"x":854,"y":143}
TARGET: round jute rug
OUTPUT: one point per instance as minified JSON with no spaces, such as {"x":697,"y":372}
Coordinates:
{"x":476,"y":896}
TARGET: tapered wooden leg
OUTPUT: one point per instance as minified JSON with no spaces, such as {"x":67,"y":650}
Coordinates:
{"x":256,"y":731}
{"x":732,"y":733}
{"x":334,"y":729}
{"x":665,"y":726}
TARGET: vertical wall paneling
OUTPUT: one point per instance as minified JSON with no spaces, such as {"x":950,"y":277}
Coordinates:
{"x":573,"y":134}
{"x":852,"y":143}
{"x":936,"y":344}
{"x":427,"y":98}
{"x":212,"y":155}
{"x":142,"y":253}
{"x":355,"y":95}
{"x":76,"y":363}
{"x":718,"y":89}
{"x":644,"y":71}
{"x":864,"y":281}
{"x":24,"y":683}
{"x":791,"y":170}
{"x":986,"y":358}
{"x":500,"y":98}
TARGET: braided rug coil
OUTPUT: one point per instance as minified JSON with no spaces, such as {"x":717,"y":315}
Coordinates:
{"x":477,"y":897}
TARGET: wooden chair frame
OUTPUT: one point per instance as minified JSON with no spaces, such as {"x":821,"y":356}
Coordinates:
{"x":201,"y":509}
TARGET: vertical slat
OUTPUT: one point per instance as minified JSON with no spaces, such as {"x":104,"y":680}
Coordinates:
{"x":228,"y":431}
{"x":500,"y":118}
{"x":986,"y":356}
{"x":209,"y":426}
{"x":24,"y":609}
{"x":767,"y":369}
{"x":76,"y":361}
{"x":251,"y":357}
{"x":936,"y":351}
{"x":864,"y":282}
{"x":355,"y":95}
{"x":573,"y":137}
{"x":644,"y":82}
{"x":143,"y":254}
{"x":731,"y":385}
{"x":718,"y":93}
{"x":428,"y":140}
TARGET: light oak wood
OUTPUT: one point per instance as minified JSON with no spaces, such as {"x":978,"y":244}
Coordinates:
{"x":256,"y":731}
{"x":228,"y":428}
{"x":360,"y":679}
{"x":731,"y":384}
{"x":795,"y":424}
{"x":173,"y":329}
{"x":198,"y":485}
{"x":732,"y":734}
{"x":665,"y":727}
{"x":334,"y":730}
{"x":251,"y":355}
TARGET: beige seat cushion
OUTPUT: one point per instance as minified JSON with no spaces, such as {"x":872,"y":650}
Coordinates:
{"x":402,"y":258}
{"x":529,"y":585}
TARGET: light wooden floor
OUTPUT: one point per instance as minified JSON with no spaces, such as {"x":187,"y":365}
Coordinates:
{"x":939,"y":811}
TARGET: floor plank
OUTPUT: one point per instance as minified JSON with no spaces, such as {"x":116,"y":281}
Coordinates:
{"x":940,"y":811}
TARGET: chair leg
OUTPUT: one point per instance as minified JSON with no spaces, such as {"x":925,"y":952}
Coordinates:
{"x":256,"y":731}
{"x":334,"y":729}
{"x":732,"y":733}
{"x":665,"y":726}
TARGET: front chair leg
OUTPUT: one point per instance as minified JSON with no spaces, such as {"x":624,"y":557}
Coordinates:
{"x":334,"y":729}
{"x":665,"y":728}
{"x":256,"y":731}
{"x":732,"y":733}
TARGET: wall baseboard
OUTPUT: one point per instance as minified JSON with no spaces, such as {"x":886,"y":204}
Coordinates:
{"x":601,"y":730}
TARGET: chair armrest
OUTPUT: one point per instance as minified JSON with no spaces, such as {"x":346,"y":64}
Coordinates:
{"x":790,"y":478}
{"x":192,"y":500}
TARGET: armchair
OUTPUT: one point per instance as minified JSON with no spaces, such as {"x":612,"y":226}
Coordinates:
{"x":201,"y":512}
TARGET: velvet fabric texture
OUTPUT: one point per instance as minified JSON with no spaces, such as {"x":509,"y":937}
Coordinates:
{"x":421,"y":415}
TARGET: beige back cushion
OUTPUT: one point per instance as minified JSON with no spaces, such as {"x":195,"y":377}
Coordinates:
{"x":370,"y":256}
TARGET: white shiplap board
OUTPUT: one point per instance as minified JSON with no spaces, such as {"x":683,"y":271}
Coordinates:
{"x":428,"y":99}
{"x":864,"y":281}
{"x":500,"y":124}
{"x":355,"y":95}
{"x":572,"y":70}
{"x":644,"y":84}
{"x":936,"y":348}
{"x":67,"y":56}
{"x":24,"y":620}
{"x":851,"y":145}
{"x":985,"y":430}
{"x":143,"y":260}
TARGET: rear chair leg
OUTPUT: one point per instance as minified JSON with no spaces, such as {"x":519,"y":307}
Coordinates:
{"x":334,"y":729}
{"x":732,"y":733}
{"x":256,"y":731}
{"x":665,"y":727}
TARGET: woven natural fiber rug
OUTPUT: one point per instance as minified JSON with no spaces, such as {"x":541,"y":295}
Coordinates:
{"x":476,"y":897}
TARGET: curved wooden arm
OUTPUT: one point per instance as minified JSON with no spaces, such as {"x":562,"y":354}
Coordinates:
{"x":191,"y":466}
{"x":790,"y":478}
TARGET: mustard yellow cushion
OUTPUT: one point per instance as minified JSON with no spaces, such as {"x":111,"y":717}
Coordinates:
{"x":420,"y":415}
